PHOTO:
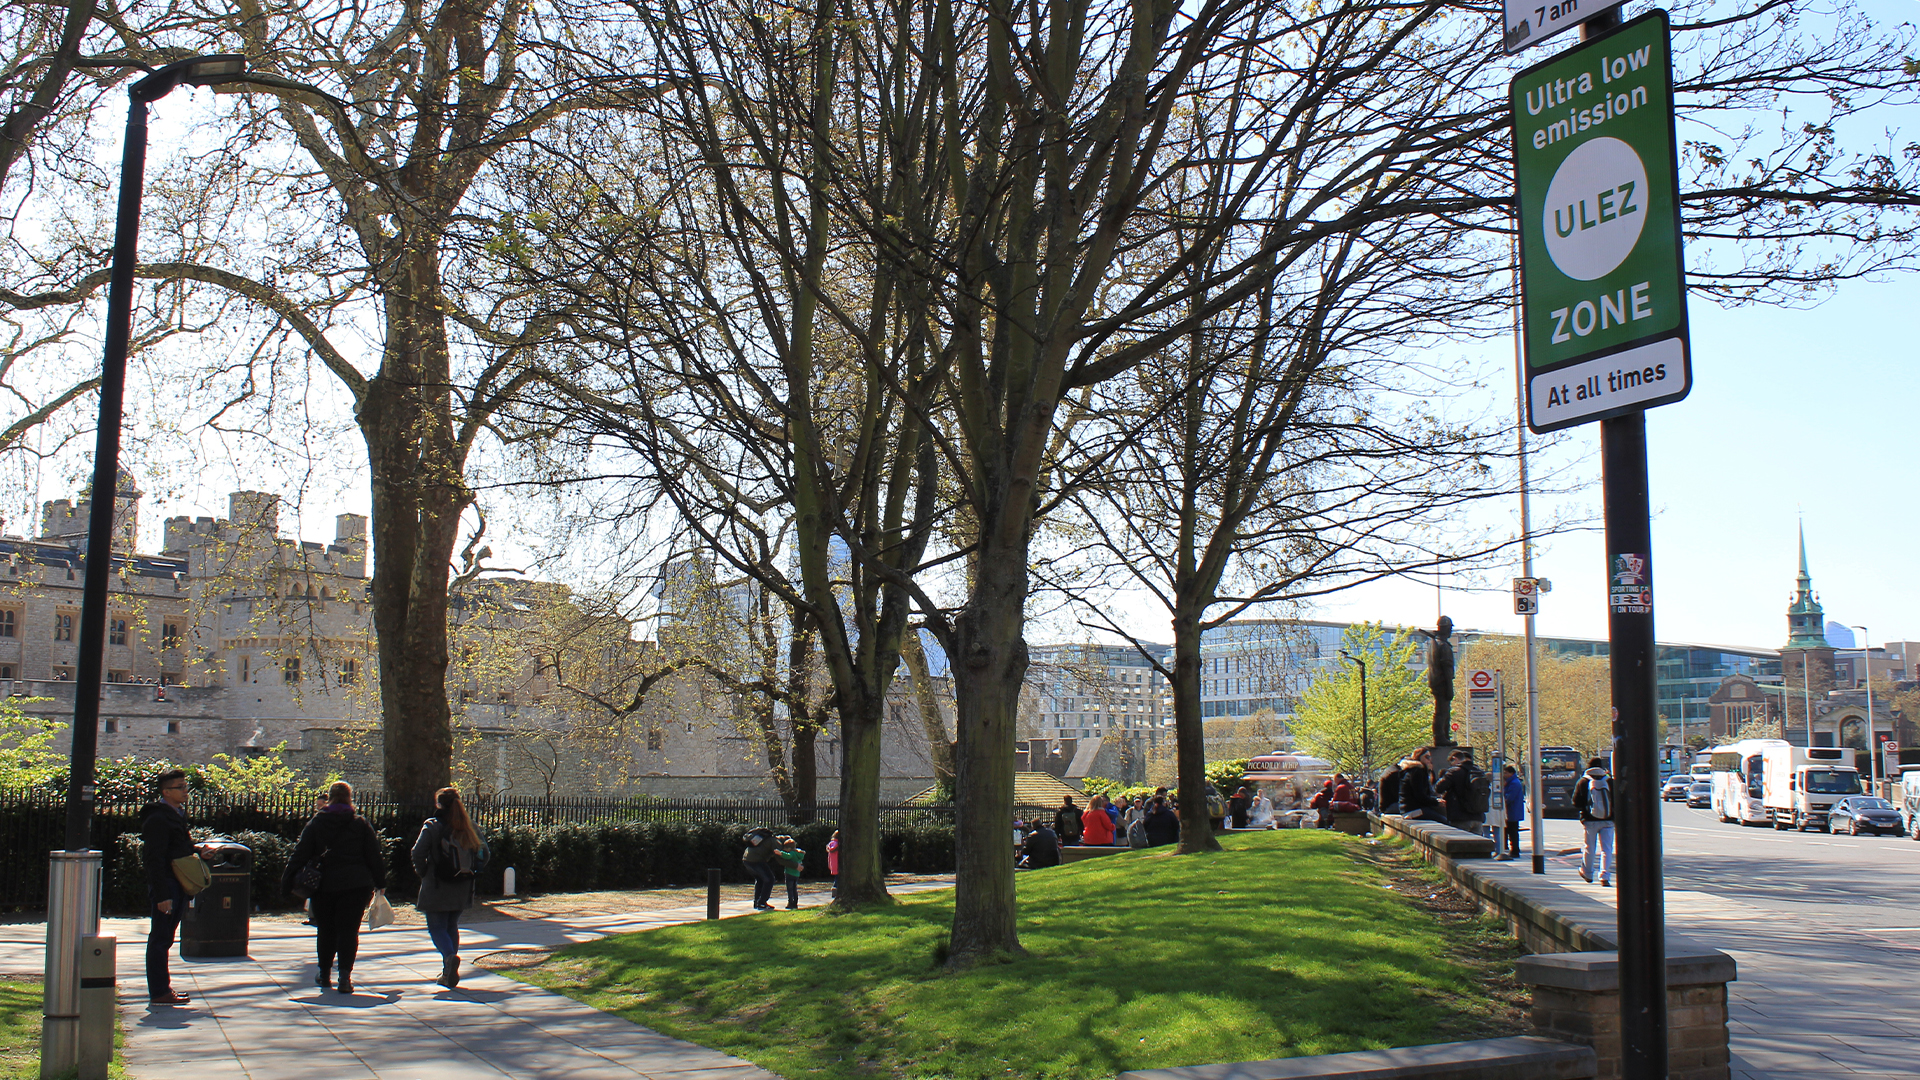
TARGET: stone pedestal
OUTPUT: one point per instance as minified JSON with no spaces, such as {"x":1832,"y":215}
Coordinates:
{"x":1576,"y":997}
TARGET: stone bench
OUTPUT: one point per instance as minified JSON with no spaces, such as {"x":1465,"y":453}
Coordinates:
{"x":1442,"y":844}
{"x":1525,"y":1057}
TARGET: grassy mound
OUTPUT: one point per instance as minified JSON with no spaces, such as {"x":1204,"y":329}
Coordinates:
{"x":1286,"y":943}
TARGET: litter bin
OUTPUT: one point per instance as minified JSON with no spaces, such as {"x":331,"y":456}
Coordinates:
{"x":215,"y":923}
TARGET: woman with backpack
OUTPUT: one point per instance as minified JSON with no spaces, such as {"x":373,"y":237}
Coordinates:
{"x":352,"y":866}
{"x":447,"y":855}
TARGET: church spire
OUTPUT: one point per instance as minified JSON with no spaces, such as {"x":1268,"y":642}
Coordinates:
{"x":1806,"y":621}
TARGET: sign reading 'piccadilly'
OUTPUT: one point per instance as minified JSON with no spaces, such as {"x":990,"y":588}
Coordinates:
{"x":1601,"y":272}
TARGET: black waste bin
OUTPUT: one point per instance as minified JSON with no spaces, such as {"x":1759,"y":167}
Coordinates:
{"x":216,"y":921}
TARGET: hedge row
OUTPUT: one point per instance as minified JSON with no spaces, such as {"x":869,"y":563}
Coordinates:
{"x":561,"y":858}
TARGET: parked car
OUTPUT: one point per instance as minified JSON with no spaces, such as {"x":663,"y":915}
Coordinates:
{"x":1700,"y":795}
{"x":1856,"y":814}
{"x":1676,"y":788}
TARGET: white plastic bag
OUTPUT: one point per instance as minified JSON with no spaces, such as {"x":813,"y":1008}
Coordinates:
{"x":379,"y":913}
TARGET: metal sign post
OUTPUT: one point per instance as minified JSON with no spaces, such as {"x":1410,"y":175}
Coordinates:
{"x":1605,"y":330}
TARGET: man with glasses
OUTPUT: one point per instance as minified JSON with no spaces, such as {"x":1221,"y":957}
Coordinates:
{"x":164,"y":838}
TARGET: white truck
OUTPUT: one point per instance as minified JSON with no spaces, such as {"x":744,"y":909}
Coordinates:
{"x":1802,"y":783}
{"x":1909,"y":792}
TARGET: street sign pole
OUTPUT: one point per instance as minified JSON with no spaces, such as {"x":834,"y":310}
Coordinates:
{"x":1606,"y":337}
{"x":1642,"y":928}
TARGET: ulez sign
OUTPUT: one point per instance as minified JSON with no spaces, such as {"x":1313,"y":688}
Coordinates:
{"x":1602,"y":284}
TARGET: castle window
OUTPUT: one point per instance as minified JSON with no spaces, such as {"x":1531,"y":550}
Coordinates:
{"x":349,"y":672}
{"x":173,"y":727}
{"x":63,"y":674}
{"x":112,"y":726}
{"x":117,"y":632}
{"x":63,"y":628}
{"x":8,"y":625}
{"x":655,"y":739}
{"x":246,"y":667}
{"x":169,"y":635}
{"x":6,"y":671}
{"x":290,"y":669}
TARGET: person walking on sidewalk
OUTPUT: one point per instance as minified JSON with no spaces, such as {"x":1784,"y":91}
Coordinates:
{"x":1593,"y":798}
{"x":1515,"y":794}
{"x":447,"y":856}
{"x":758,"y":859}
{"x":164,"y":838}
{"x":352,"y":867}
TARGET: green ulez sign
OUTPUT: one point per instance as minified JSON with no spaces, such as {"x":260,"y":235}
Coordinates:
{"x":1601,"y":275}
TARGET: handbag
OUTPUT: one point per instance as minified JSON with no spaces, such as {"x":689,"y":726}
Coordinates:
{"x":306,"y":881}
{"x":379,"y":913}
{"x":192,"y":874}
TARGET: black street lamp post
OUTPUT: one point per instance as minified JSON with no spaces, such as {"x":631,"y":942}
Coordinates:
{"x":1366,"y":747}
{"x":73,"y":894}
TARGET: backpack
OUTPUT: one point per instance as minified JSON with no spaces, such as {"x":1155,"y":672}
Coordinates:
{"x":1599,"y":799}
{"x":1477,"y":792}
{"x":451,"y":862}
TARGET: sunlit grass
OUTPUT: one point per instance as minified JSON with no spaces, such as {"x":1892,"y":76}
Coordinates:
{"x":1284,"y":944}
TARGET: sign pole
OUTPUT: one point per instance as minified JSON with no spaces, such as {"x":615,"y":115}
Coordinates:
{"x":1642,"y":918}
{"x":1642,"y":913}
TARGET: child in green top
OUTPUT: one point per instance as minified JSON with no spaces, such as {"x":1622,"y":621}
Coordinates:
{"x":790,"y":856}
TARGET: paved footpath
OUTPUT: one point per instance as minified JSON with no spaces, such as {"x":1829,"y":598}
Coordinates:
{"x":1816,"y":998}
{"x":261,"y":1017}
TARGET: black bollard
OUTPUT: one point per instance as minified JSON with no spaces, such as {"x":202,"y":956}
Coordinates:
{"x":713,"y":893}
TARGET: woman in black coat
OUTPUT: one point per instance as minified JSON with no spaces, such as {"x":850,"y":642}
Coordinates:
{"x":352,"y":866}
{"x":1416,"y":786}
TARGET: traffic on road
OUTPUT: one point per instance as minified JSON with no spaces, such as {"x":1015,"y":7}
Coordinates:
{"x":1799,"y":788}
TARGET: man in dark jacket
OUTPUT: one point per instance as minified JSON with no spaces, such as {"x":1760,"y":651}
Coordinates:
{"x":1067,"y":821}
{"x":164,"y":838}
{"x":1042,"y":847}
{"x":758,"y":859}
{"x":1162,"y":824}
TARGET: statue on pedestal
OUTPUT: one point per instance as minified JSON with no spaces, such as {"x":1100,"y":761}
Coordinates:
{"x":1440,"y":680}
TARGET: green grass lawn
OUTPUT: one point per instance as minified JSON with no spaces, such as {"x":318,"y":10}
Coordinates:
{"x":20,"y":1034}
{"x":1286,"y":943}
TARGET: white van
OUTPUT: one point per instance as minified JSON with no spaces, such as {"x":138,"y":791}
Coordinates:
{"x":1910,"y":800}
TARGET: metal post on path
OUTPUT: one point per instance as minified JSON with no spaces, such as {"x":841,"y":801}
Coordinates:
{"x":713,"y":893}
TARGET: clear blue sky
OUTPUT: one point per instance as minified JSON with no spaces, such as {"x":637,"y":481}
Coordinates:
{"x":1793,"y":412}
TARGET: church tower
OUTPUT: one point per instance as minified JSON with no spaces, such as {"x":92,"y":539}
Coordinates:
{"x":1806,"y":661}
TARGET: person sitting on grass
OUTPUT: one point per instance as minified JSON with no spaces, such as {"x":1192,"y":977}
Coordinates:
{"x":788,"y":852}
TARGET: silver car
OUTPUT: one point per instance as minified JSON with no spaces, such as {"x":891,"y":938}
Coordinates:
{"x":1700,"y":795}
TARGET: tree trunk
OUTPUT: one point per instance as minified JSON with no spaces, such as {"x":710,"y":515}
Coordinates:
{"x":806,"y":773}
{"x":1190,"y":737}
{"x":419,"y":492}
{"x":939,"y":743}
{"x":989,"y":663}
{"x":863,"y":878}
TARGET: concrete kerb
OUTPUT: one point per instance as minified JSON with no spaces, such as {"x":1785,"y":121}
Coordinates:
{"x":1525,"y":1057}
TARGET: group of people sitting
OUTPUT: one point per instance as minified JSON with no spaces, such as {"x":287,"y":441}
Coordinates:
{"x":1144,"y":822}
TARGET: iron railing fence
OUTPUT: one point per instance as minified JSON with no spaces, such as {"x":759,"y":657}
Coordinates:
{"x":33,"y":821}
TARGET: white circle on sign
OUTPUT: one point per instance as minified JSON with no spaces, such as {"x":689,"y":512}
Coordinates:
{"x":1596,"y":207}
{"x":1482,"y":680}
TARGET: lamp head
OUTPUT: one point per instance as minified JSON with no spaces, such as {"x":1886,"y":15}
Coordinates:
{"x":193,"y":71}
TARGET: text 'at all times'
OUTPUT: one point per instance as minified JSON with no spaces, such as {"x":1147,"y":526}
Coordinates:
{"x":1618,"y":380}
